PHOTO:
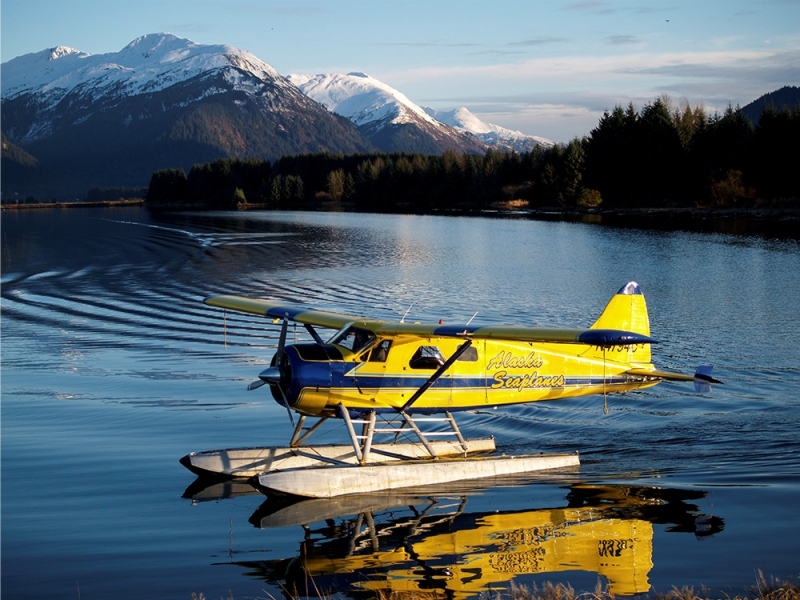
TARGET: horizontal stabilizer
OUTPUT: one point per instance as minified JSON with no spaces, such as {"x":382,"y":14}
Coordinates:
{"x":661,"y":374}
{"x":703,"y":379}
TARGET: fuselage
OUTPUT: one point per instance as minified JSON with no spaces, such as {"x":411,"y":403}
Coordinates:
{"x":384,"y":373}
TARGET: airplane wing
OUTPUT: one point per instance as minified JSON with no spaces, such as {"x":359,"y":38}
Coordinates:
{"x":565,"y":335}
{"x":279,"y":310}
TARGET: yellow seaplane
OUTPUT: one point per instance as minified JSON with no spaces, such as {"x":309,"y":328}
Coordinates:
{"x":404,"y":381}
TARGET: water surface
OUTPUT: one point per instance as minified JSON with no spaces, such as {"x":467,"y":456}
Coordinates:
{"x":112,"y":369}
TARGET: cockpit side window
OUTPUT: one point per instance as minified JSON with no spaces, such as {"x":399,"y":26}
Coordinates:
{"x":353,"y":338}
{"x":426,"y":357}
{"x":380,"y":352}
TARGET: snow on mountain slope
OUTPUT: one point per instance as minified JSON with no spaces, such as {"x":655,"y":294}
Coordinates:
{"x":152,"y":63}
{"x":149,"y":63}
{"x":493,"y":135}
{"x":365,"y":100}
{"x":383,"y":115}
{"x":160,"y":102}
{"x":361,"y":98}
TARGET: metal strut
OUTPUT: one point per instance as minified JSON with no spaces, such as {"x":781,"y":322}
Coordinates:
{"x":298,"y":437}
{"x":435,"y":377}
{"x":363,"y":444}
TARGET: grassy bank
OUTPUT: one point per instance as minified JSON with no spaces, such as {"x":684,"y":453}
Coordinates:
{"x":764,"y":589}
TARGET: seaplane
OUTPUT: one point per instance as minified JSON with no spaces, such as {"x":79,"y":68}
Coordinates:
{"x":397,"y":387}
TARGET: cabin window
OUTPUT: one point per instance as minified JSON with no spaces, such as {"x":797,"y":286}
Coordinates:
{"x":353,"y":338}
{"x":469,"y":355}
{"x":426,"y":357}
{"x":380,"y":352}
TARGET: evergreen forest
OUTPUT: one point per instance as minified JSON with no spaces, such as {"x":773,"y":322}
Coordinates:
{"x":662,"y":156}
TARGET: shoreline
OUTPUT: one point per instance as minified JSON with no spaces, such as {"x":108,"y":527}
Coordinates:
{"x":783,"y":221}
{"x":101,"y":203}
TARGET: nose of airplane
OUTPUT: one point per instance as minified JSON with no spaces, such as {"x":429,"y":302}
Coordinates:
{"x":279,"y":376}
{"x":302,"y":371}
{"x":270,"y":375}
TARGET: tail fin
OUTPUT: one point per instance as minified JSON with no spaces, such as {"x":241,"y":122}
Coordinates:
{"x":627,"y":311}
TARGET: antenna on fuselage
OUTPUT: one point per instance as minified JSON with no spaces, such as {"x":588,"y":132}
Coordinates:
{"x":472,"y":317}
{"x":406,"y":313}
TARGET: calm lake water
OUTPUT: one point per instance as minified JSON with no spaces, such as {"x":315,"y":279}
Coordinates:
{"x":112,"y":369}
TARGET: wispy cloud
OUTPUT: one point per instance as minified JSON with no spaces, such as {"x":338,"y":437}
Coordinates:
{"x":587,"y":85}
{"x":539,"y":41}
{"x":619,"y":70}
{"x":622,"y":40}
{"x":431,"y":44}
{"x":593,"y":5}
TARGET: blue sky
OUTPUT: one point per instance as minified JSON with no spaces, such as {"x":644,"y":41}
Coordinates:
{"x":543,"y":67}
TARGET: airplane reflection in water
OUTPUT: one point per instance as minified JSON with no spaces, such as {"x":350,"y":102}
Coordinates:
{"x":433,"y":545}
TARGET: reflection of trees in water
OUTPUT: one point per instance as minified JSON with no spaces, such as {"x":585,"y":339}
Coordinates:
{"x":659,"y":506}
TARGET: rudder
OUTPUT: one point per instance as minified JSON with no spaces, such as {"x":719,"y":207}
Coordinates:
{"x":627,"y":311}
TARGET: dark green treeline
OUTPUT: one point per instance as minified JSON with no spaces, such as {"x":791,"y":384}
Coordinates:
{"x":660,"y":156}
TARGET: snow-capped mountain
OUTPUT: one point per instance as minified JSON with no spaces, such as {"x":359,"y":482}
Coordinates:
{"x":492,"y":135}
{"x":160,"y":102}
{"x":384,"y":115}
{"x":149,"y":64}
{"x":373,"y":105}
{"x":361,"y":98}
{"x":109,"y":120}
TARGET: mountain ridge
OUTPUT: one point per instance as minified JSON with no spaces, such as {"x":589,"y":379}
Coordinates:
{"x":492,"y":135}
{"x":161,"y":102}
{"x":373,"y":105}
{"x":167,"y":102}
{"x":384,"y":115}
{"x":73,"y":120}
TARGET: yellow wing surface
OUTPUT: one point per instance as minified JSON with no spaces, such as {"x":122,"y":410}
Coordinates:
{"x":623,"y":325}
{"x":277,"y":310}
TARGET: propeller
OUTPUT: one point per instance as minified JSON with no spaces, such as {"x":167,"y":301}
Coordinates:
{"x":273,"y":374}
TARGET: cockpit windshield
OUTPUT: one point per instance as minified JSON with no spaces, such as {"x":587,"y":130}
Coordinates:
{"x":353,"y":338}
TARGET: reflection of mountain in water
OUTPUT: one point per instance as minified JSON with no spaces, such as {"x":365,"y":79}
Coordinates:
{"x":431,"y":545}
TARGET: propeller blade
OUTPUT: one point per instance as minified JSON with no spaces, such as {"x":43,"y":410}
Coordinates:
{"x":272,"y":375}
{"x":285,"y":402}
{"x":281,"y":340}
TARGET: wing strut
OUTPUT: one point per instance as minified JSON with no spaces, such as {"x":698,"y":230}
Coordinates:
{"x":314,"y":334}
{"x":435,"y":377}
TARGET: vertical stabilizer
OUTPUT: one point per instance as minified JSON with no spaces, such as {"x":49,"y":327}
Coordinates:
{"x":627,"y":311}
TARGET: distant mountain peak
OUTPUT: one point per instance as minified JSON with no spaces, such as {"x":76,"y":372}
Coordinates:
{"x":383,"y":114}
{"x":493,"y":135}
{"x":368,"y":102}
{"x":360,"y":98}
{"x":59,"y":51}
{"x":151,"y":40}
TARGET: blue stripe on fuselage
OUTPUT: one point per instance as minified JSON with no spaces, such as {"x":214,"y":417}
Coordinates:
{"x":341,"y":381}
